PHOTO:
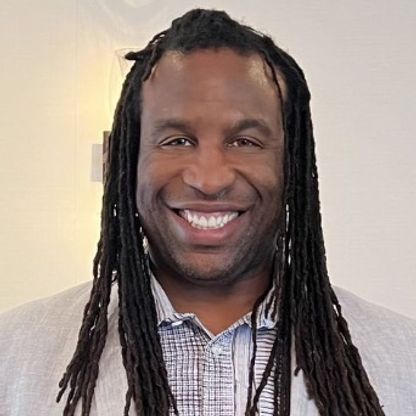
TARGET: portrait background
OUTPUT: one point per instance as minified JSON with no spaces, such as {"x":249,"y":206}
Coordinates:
{"x":60,"y":78}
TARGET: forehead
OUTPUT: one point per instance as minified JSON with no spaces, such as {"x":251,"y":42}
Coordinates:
{"x":207,"y":76}
{"x":212,"y":62}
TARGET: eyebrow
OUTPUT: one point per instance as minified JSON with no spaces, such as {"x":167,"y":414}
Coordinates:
{"x":251,"y":123}
{"x":241,"y":125}
{"x":170,"y":124}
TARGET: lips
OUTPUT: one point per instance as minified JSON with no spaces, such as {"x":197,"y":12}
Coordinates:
{"x":204,"y":224}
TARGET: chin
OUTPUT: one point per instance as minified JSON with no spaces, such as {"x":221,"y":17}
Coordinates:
{"x":217,"y":278}
{"x":212,"y":268}
{"x":212,"y":273}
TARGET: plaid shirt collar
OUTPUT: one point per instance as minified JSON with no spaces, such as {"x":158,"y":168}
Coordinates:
{"x":167,"y":315}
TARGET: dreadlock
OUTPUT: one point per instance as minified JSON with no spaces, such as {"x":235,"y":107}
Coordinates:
{"x":308,"y":309}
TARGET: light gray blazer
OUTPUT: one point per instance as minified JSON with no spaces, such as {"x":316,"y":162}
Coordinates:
{"x":38,"y":339}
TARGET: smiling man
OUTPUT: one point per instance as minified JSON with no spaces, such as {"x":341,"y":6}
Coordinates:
{"x":211,"y":294}
{"x":210,"y":180}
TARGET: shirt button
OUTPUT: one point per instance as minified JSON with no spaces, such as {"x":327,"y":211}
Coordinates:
{"x":216,"y":350}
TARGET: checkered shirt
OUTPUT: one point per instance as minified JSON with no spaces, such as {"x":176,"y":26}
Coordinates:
{"x":209,"y":374}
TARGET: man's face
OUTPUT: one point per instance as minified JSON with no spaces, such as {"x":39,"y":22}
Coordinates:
{"x":210,"y":170}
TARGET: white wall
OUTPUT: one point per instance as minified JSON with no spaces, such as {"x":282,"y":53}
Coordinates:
{"x":60,"y":76}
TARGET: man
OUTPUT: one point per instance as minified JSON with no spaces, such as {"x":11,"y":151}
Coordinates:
{"x":210,"y":294}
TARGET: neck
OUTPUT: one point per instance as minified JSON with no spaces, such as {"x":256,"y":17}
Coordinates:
{"x":217,"y":306}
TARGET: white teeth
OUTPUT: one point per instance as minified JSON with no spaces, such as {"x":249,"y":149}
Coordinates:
{"x":205,"y":222}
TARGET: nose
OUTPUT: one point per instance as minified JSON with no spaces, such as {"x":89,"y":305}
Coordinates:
{"x":210,"y":172}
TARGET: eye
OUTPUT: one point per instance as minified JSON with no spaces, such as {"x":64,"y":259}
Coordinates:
{"x":244,"y":142}
{"x":177,"y":141}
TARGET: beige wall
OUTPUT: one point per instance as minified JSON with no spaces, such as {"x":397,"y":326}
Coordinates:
{"x":59,"y":80}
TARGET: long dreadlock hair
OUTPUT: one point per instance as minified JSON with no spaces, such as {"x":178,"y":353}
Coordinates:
{"x":308,"y":309}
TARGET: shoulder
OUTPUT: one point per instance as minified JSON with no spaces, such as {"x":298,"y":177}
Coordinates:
{"x":387,"y":344}
{"x":36,"y":343}
{"x":44,"y":314}
{"x":374,"y":321}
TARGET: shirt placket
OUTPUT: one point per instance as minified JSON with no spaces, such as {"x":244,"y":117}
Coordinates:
{"x":218,"y":377}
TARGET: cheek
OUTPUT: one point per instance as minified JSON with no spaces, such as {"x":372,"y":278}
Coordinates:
{"x":146,"y":183}
{"x":274,"y":170}
{"x":265,"y":174}
{"x":143,"y":191}
{"x":153,"y":176}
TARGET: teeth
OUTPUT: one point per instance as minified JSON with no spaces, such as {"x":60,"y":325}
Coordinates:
{"x":203,"y":222}
{"x":207,"y":222}
{"x":188,"y":216}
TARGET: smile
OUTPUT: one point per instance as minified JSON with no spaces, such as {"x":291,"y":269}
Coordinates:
{"x":208,"y":221}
